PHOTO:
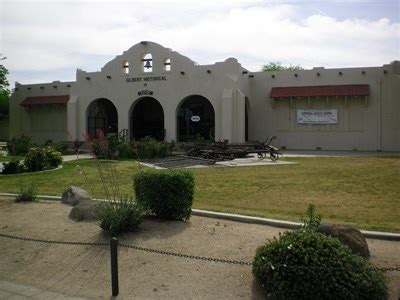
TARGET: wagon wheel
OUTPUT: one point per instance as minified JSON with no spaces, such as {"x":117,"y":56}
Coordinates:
{"x":260,"y":155}
{"x":273,"y":156}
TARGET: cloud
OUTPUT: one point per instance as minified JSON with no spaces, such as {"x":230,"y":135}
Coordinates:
{"x":58,"y":35}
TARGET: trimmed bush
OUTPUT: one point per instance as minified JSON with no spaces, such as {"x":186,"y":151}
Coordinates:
{"x":114,"y":146}
{"x":39,"y":159}
{"x":19,"y":145}
{"x":167,"y":193}
{"x":13,"y":167}
{"x":116,"y":217}
{"x":308,"y":265}
{"x":60,"y":147}
{"x":27,"y":193}
{"x":151,"y":148}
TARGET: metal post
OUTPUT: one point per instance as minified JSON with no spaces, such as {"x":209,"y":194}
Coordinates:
{"x":114,"y":266}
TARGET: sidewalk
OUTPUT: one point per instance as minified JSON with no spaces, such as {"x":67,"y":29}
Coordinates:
{"x":76,"y":157}
{"x":9,"y":290}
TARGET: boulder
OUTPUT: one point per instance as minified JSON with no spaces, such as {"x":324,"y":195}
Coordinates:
{"x":73,"y":195}
{"x":85,"y":210}
{"x":347,"y":235}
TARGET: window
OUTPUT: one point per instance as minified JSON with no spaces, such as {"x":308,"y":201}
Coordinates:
{"x":167,"y":65}
{"x":147,"y":63}
{"x":125,"y":67}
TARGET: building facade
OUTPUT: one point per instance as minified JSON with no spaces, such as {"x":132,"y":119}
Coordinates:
{"x":153,"y":91}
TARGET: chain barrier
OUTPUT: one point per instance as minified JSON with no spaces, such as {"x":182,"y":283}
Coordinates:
{"x":219,"y":260}
{"x":176,"y":254}
{"x":52,"y":241}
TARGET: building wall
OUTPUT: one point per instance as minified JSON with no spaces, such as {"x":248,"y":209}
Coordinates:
{"x":4,"y":129}
{"x":361,"y":123}
{"x":370,"y":123}
{"x":220,"y":79}
{"x":41,"y":122}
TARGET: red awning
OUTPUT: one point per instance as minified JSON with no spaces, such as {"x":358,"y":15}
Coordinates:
{"x":320,"y":91}
{"x":45,"y":100}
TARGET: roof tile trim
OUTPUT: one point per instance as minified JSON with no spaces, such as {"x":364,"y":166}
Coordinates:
{"x":320,"y":90}
{"x":41,"y":100}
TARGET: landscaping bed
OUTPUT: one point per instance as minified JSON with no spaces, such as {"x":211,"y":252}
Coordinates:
{"x":362,"y":191}
{"x":84,"y":270}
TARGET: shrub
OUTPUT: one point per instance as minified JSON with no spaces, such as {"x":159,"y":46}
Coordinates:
{"x":3,"y":153}
{"x":150,"y":148}
{"x":19,"y":145}
{"x":13,"y":167}
{"x":116,"y":217}
{"x":77,"y":145}
{"x":60,"y":147}
{"x":27,"y":192}
{"x":114,"y":146}
{"x":39,"y":159}
{"x":312,"y":220}
{"x":100,"y":149}
{"x":168,"y":194}
{"x":308,"y":265}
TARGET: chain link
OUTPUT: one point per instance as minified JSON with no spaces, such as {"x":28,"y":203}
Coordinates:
{"x":176,"y":254}
{"x":211,"y":259}
{"x":52,"y":241}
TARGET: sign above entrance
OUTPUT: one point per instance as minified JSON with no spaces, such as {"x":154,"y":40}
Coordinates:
{"x":317,"y":116}
{"x":145,"y":92}
{"x":195,"y":118}
{"x":147,"y":78}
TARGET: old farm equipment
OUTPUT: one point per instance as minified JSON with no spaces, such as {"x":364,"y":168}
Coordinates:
{"x":220,"y":151}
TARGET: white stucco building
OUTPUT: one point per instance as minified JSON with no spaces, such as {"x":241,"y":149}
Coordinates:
{"x":150,"y":90}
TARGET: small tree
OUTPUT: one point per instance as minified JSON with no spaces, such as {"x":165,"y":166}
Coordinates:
{"x":277,"y":66}
{"x":4,"y":91}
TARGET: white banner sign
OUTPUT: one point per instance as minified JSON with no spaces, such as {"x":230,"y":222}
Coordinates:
{"x":317,"y":116}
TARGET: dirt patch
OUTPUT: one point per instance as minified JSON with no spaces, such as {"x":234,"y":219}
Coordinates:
{"x":85,"y":270}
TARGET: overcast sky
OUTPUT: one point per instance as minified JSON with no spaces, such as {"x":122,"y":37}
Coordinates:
{"x":49,"y":40}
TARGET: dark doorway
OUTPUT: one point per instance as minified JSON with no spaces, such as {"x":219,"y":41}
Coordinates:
{"x":102,"y":118}
{"x":196,"y":119}
{"x":246,"y":119}
{"x":147,"y":119}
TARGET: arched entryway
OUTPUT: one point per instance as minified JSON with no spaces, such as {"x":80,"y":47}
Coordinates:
{"x":102,"y":118}
{"x":195,"y":119}
{"x":147,"y":119}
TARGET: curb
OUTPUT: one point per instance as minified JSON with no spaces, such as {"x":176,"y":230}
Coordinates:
{"x":379,"y":235}
{"x":36,"y":172}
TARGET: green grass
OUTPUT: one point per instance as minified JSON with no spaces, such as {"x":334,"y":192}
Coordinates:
{"x":364,"y":191}
{"x":10,"y":157}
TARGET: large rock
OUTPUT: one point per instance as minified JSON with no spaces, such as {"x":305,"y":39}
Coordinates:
{"x":85,"y":210}
{"x":73,"y":195}
{"x":348,"y":235}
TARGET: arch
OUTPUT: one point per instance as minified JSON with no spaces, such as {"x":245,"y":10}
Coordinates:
{"x":195,"y":119}
{"x":147,"y":119}
{"x":167,"y":65}
{"x":125,"y":67}
{"x":147,"y":63}
{"x":101,"y":118}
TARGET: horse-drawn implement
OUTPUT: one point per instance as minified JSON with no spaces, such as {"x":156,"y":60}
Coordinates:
{"x":220,"y":151}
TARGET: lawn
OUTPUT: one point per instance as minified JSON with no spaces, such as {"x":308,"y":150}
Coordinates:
{"x":9,"y":158}
{"x":364,"y":191}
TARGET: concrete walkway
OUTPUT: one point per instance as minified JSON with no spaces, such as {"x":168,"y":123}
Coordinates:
{"x":76,"y":157}
{"x":9,"y":290}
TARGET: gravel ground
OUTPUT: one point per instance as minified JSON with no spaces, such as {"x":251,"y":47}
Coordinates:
{"x":84,"y":271}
